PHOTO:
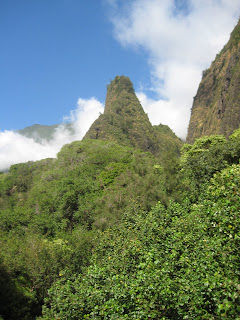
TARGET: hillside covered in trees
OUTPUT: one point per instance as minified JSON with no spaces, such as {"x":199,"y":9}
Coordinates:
{"x":107,"y":231}
{"x":129,"y":223}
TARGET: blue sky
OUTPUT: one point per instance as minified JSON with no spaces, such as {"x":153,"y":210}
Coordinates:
{"x":57,"y":57}
{"x":55,"y":51}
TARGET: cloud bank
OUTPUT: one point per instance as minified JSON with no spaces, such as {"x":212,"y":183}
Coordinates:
{"x":181,"y":37}
{"x":15,"y":148}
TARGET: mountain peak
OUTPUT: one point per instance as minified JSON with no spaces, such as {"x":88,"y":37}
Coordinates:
{"x":119,"y":85}
{"x":121,"y":98}
{"x":125,"y":122}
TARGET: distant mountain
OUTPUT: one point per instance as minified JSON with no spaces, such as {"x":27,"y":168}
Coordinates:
{"x":216,"y":107}
{"x":42,"y":133}
{"x":125,"y":122}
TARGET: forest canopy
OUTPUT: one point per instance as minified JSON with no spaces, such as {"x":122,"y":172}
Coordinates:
{"x":111,"y":232}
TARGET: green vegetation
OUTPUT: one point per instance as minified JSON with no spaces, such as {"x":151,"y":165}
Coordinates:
{"x":109,"y":231}
{"x":125,"y":122}
{"x":176,"y":263}
{"x":105,"y":232}
{"x":51,"y":211}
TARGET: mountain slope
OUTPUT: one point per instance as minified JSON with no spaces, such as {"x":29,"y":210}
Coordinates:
{"x":216,"y":107}
{"x":125,"y":122}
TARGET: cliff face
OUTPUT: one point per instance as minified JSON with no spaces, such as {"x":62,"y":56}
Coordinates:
{"x":125,"y":122}
{"x":216,"y":107}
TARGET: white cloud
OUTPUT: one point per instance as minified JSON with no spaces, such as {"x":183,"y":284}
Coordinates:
{"x":15,"y":148}
{"x":86,"y":113}
{"x":180,"y":43}
{"x":174,"y":117}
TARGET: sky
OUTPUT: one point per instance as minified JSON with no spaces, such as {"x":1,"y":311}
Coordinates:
{"x":57,"y":57}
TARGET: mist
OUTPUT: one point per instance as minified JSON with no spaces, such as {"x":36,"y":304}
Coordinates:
{"x":16,"y":148}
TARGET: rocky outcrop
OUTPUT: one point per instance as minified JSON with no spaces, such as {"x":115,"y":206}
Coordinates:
{"x":216,"y":106}
{"x":125,"y":122}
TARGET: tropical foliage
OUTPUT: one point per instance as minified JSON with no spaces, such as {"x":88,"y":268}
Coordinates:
{"x":123,"y":225}
{"x":110,"y":232}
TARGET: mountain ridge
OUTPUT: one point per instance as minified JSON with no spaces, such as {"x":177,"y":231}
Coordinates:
{"x":40,"y":132}
{"x":216,"y":106}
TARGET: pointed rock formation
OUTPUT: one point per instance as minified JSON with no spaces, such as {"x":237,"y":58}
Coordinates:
{"x":125,"y":122}
{"x":216,"y":107}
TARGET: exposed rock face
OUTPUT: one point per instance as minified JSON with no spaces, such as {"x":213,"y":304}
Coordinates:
{"x":216,"y":107}
{"x":125,"y":122}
